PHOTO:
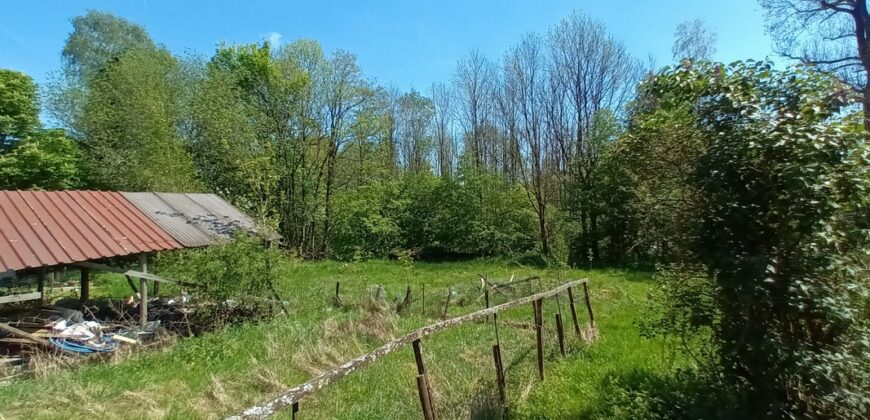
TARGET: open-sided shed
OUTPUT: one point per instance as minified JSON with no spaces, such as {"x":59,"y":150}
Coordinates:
{"x":41,"y":231}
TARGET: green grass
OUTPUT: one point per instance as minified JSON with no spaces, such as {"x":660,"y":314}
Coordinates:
{"x":219,"y":373}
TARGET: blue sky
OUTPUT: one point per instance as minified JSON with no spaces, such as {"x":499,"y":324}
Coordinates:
{"x":406,"y":43}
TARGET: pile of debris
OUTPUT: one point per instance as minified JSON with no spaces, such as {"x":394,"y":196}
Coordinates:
{"x":71,"y":333}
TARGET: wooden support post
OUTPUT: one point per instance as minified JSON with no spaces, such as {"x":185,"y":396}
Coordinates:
{"x":143,"y":291}
{"x":588,"y":304}
{"x":539,"y":337}
{"x":294,"y":411}
{"x":560,"y":333}
{"x":499,"y":372}
{"x":423,"y":387}
{"x":85,"y":285}
{"x":573,"y":312}
{"x":40,"y":284}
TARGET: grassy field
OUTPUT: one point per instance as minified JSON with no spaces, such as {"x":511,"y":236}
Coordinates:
{"x":219,"y":373}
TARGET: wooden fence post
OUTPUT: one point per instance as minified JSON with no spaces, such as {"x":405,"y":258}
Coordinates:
{"x":588,"y":305}
{"x":539,"y":338}
{"x":294,"y":411}
{"x":573,"y":312}
{"x":499,"y":372}
{"x":447,"y":303}
{"x":423,"y":387}
{"x":336,"y":301}
{"x":560,"y":333}
{"x":423,"y":298}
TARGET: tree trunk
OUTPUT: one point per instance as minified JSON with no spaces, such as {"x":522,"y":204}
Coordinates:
{"x":545,"y":236}
{"x":327,"y":203}
{"x":593,"y":235}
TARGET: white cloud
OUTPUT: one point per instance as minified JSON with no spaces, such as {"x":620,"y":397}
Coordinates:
{"x":274,"y":38}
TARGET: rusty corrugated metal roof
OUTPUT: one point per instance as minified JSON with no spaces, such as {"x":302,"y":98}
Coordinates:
{"x":194,"y":220}
{"x":39,"y":228}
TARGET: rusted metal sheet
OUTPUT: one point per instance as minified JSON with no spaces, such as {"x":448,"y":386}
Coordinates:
{"x":237,"y":219}
{"x":194,"y":220}
{"x":39,"y":228}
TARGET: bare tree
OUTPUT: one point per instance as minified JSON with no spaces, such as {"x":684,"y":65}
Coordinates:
{"x":525,"y":89}
{"x":415,"y":136}
{"x":833,"y":35}
{"x":694,"y":41}
{"x":474,"y":92}
{"x":592,"y":73}
{"x":445,"y":148}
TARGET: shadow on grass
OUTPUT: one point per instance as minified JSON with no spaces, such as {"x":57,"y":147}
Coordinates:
{"x":639,"y":393}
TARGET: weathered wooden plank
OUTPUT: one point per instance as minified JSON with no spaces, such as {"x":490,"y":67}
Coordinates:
{"x":294,"y":394}
{"x":21,"y":298}
{"x":12,"y":330}
{"x":497,"y":286}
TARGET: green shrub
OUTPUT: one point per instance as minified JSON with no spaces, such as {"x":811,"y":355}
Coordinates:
{"x":237,"y":280}
{"x":779,"y":218}
{"x":471,"y":215}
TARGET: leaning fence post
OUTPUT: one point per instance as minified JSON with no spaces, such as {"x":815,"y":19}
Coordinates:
{"x":560,"y":333}
{"x":539,"y":339}
{"x":294,"y":410}
{"x":588,"y":304}
{"x":423,"y":387}
{"x":447,"y":303}
{"x":337,"y":299}
{"x":573,"y":312}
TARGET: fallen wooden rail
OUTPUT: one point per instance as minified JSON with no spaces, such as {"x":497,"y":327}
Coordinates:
{"x":292,"y":396}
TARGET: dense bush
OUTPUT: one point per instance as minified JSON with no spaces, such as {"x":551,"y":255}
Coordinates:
{"x":237,"y":279}
{"x":470,"y":215}
{"x":778,"y":215}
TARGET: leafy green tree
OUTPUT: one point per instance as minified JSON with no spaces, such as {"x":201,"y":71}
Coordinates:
{"x":97,"y":39}
{"x":131,"y":126}
{"x":257,"y":139}
{"x":19,"y":106}
{"x":780,"y":221}
{"x":46,"y":160}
